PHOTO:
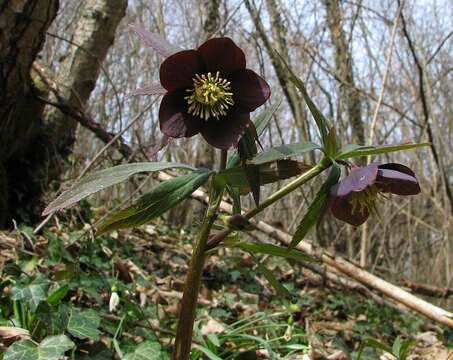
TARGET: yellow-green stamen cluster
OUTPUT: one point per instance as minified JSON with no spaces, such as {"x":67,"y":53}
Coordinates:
{"x":210,"y":96}
{"x":365,"y":200}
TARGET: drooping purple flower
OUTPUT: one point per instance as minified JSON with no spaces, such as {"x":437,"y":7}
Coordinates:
{"x":353,"y":198}
{"x":210,"y":91}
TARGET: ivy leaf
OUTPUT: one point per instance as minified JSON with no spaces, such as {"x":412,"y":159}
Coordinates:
{"x":32,"y":294}
{"x":316,"y":208}
{"x":84,"y":324}
{"x":51,"y":348}
{"x":284,"y":152}
{"x":105,"y":178}
{"x":147,"y":350}
{"x":352,"y":150}
{"x":163,"y":197}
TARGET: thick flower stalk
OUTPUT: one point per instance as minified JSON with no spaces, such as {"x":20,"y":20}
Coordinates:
{"x":354,"y":197}
{"x":210,"y":91}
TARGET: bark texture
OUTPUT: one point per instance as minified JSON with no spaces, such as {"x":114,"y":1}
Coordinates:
{"x":344,"y":67}
{"x":23,"y":25}
{"x":76,"y":78}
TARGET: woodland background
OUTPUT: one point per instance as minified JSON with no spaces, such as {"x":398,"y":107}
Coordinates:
{"x":382,"y":71}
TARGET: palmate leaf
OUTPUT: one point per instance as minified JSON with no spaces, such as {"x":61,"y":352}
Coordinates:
{"x":352,"y":150}
{"x":105,"y":178}
{"x":51,"y":348}
{"x":84,"y":324}
{"x":284,"y":151}
{"x":267,"y":173}
{"x":163,"y":197}
{"x":316,"y":208}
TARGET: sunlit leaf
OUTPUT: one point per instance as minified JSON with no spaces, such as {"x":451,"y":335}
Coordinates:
{"x":316,"y":208}
{"x":58,"y":295}
{"x":284,"y":151}
{"x":147,"y":350}
{"x":105,"y":178}
{"x":163,"y":197}
{"x":352,"y":151}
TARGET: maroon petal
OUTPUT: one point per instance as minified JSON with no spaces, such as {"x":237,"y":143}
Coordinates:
{"x":178,"y":70}
{"x":341,"y":208}
{"x":397,"y":182}
{"x":225,"y":132}
{"x":358,"y":180}
{"x":174,"y":119}
{"x":222,"y":54}
{"x":250,"y":90}
{"x":397,"y":167}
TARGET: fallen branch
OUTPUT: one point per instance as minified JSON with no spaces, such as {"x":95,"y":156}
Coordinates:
{"x":428,"y":290}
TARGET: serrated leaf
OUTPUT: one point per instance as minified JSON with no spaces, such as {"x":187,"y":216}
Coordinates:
{"x":274,"y":250}
{"x":321,"y":121}
{"x":147,"y":350}
{"x":268,"y":173}
{"x":51,"y":348}
{"x":105,"y":178}
{"x":316,"y":208}
{"x":32,"y":294}
{"x":351,"y":151}
{"x":163,"y":197}
{"x":284,"y":152}
{"x":155,"y":41}
{"x":84,"y":324}
{"x":279,"y":288}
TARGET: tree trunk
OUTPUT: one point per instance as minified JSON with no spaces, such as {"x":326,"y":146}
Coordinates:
{"x":23,"y":26}
{"x":343,"y":64}
{"x":31,"y":146}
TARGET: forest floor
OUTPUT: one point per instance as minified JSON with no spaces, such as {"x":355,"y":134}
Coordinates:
{"x":116,"y":297}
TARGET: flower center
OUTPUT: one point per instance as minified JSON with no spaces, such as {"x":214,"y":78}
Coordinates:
{"x":210,"y":96}
{"x":365,"y":200}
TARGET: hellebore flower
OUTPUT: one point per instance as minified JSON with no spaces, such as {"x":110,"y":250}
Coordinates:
{"x":353,"y":198}
{"x":210,"y":91}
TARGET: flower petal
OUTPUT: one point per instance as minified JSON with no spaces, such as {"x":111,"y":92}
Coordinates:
{"x":397,"y":167}
{"x":397,"y":182}
{"x":174,"y":119}
{"x":250,"y":90}
{"x":222,"y":54}
{"x":225,"y":132}
{"x":358,"y":180}
{"x":178,"y":70}
{"x":341,"y":208}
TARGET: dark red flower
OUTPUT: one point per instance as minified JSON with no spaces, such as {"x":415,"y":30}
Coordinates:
{"x":210,"y":91}
{"x":353,"y":198}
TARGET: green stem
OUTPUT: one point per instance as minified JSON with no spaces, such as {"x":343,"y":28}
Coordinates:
{"x":285,"y":190}
{"x":192,"y":284}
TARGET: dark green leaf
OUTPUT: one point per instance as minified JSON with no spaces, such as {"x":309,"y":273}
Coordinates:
{"x":374,"y":344}
{"x":404,"y":348}
{"x":331,"y":146}
{"x":316,"y":208}
{"x":105,"y":178}
{"x":31,"y":294}
{"x":84,"y":324}
{"x":284,"y":151}
{"x":351,"y":151}
{"x":268,"y":173}
{"x":163,"y":197}
{"x":51,"y":348}
{"x":262,"y":120}
{"x":147,"y":350}
{"x":274,"y":250}
{"x":247,"y":149}
{"x":279,"y":288}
